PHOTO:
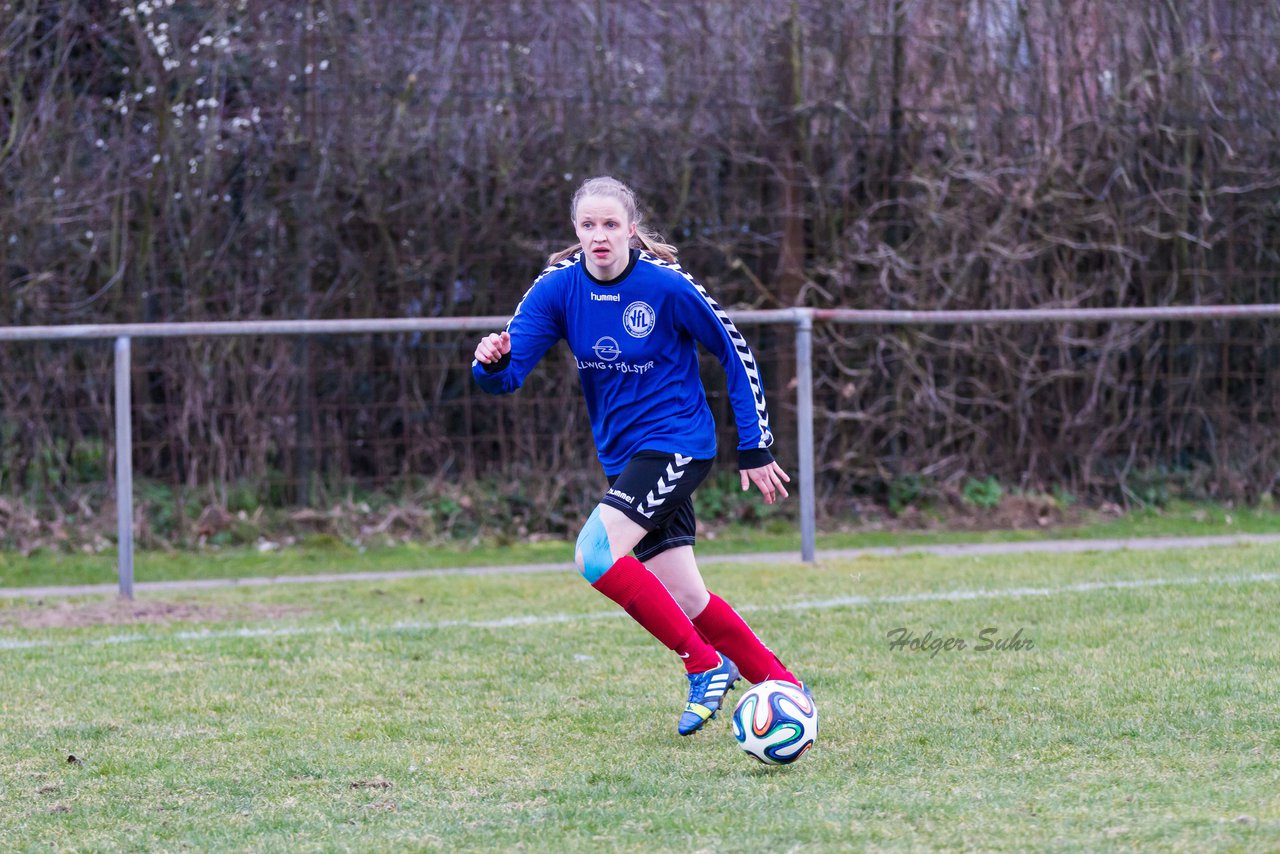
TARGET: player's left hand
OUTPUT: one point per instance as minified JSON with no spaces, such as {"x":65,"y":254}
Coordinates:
{"x":769,"y":479}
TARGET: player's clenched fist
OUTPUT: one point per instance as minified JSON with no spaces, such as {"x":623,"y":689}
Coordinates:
{"x":493,"y":347}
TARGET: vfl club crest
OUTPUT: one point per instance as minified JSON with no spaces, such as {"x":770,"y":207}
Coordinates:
{"x":638,"y":319}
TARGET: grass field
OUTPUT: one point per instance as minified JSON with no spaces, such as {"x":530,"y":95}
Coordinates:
{"x":496,"y":711}
{"x":326,"y":554}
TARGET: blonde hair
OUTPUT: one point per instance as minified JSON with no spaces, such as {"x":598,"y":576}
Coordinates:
{"x":612,"y":188}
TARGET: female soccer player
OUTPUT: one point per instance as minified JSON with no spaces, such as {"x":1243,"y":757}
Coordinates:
{"x":633,"y":318}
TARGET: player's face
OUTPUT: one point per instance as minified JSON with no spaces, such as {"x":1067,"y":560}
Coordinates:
{"x":605,"y":231}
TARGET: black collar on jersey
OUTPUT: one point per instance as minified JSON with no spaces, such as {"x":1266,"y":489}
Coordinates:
{"x":631,"y":265}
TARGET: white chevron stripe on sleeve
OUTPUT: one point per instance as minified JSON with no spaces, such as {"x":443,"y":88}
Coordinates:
{"x":745,"y":356}
{"x":568,"y":262}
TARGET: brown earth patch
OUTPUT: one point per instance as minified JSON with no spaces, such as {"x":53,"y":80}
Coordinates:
{"x":377,"y":783}
{"x":118,"y":612}
{"x":949,"y":513}
{"x":1014,"y":512}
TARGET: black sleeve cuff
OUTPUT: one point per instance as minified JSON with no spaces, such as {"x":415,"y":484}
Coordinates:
{"x":754,"y":458}
{"x":498,"y":366}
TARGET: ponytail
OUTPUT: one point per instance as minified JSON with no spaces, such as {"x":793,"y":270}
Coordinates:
{"x":649,"y":241}
{"x":567,"y":252}
{"x":644,"y":239}
{"x":652,"y":242}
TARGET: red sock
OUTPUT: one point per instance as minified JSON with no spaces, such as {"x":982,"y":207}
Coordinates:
{"x":649,"y":603}
{"x":729,"y":633}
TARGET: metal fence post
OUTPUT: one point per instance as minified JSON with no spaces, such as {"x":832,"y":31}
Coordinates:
{"x":804,"y":430}
{"x":124,"y":468}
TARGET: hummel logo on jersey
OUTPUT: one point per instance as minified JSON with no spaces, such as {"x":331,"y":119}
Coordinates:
{"x":595,"y":297}
{"x":618,"y":493}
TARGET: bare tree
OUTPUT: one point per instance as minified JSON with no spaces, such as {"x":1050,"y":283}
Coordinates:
{"x":166,"y":160}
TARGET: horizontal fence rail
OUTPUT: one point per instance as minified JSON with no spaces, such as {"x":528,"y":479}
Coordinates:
{"x":802,"y":319}
{"x":759,"y":317}
{"x":1044,"y":315}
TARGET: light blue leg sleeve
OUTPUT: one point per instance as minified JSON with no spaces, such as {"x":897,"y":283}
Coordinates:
{"x":593,"y":545}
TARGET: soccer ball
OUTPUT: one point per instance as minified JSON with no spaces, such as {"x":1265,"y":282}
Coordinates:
{"x":775,"y":722}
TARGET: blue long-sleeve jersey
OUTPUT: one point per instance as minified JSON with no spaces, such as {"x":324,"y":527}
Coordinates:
{"x":635,"y":341}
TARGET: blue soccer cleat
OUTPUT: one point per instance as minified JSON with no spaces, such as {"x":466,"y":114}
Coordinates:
{"x":706,"y":694}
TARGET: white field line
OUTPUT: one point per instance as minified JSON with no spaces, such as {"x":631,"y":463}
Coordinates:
{"x":946,"y":550}
{"x":553,"y":619}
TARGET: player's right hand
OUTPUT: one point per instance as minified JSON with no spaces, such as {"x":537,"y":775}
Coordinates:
{"x":493,"y":347}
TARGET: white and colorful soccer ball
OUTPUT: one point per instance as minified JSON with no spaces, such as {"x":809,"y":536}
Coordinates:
{"x":775,"y":722}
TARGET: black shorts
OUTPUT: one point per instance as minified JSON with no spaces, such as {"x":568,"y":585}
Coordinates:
{"x":655,"y":490}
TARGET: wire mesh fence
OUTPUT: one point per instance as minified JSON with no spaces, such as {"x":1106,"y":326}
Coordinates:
{"x":905,"y":409}
{"x":1134,"y":412}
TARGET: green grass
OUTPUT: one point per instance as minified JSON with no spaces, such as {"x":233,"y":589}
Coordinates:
{"x":430,"y":714}
{"x":329,"y":555}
